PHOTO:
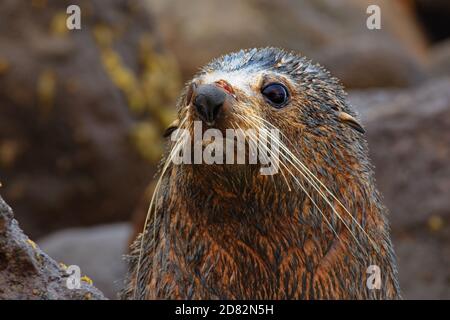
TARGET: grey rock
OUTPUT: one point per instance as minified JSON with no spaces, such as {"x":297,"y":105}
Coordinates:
{"x":364,"y":62}
{"x":26,"y":272}
{"x":98,"y":251}
{"x":200,"y":30}
{"x":68,"y":146}
{"x":440,"y":59}
{"x":424,"y":260}
{"x":409,"y":140}
{"x":408,"y":132}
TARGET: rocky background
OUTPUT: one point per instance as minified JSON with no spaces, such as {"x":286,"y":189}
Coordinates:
{"x":82,"y":111}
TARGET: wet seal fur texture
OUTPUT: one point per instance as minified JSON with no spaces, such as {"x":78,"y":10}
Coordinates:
{"x":309,"y":232}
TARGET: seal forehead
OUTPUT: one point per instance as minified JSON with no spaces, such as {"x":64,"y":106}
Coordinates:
{"x":237,"y":79}
{"x":252,"y":60}
{"x":243,"y":69}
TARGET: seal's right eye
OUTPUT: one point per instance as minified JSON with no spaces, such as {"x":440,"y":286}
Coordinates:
{"x":276,"y":94}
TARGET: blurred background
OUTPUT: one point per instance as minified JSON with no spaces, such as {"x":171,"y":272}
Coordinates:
{"x":82,"y":112}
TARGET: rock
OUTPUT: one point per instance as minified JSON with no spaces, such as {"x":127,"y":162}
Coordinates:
{"x":423,"y":265}
{"x":434,"y":5}
{"x":409,"y":141}
{"x":81,"y":110}
{"x":440,"y":59}
{"x":435,"y":17}
{"x":363,"y":62}
{"x":98,"y":251}
{"x":199,"y":30}
{"x":408,"y":136}
{"x":26,"y":272}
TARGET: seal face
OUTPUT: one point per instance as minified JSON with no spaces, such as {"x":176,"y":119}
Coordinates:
{"x":316,"y":229}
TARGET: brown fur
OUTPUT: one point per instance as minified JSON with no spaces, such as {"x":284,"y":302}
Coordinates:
{"x":227,"y":232}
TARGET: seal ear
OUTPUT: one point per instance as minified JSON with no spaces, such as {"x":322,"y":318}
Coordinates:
{"x":351,"y":121}
{"x":171,"y":128}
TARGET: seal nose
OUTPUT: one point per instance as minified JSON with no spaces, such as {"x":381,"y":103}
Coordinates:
{"x":208,"y":101}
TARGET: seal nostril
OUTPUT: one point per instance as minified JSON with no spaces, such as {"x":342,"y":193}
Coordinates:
{"x":208,"y":102}
{"x":216,"y":110}
{"x":200,"y":104}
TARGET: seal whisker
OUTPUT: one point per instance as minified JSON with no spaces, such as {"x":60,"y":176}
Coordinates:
{"x":176,"y":148}
{"x":291,"y":155}
{"x":231,"y":232}
{"x":252,"y":125}
{"x":307,"y":171}
{"x":306,"y":192}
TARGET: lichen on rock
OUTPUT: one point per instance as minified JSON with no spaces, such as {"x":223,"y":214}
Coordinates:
{"x":26,"y":272}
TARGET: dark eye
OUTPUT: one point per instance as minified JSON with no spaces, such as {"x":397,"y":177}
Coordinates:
{"x":276,"y":94}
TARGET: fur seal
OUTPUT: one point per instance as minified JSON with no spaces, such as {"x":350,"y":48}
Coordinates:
{"x":315,"y":230}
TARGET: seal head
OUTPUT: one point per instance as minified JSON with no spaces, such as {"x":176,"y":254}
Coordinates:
{"x":225,"y":231}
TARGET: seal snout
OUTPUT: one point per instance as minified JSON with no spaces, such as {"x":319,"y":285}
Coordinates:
{"x":208,"y":102}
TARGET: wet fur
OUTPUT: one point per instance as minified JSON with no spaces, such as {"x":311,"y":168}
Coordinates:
{"x":226,"y":232}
